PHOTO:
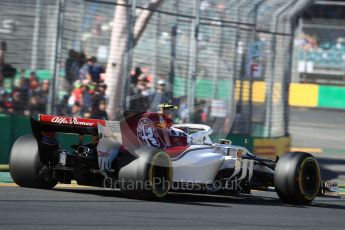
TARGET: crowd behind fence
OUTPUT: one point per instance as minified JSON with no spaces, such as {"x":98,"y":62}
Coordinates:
{"x":319,"y":53}
{"x":203,"y":55}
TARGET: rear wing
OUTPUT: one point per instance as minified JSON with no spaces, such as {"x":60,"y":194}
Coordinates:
{"x":64,"y":124}
{"x":128,"y":131}
{"x":107,"y":135}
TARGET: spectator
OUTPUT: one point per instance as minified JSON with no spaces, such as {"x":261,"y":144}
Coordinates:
{"x":72,"y":66}
{"x":76,"y":110}
{"x":3,"y":100}
{"x":33,"y":87}
{"x":96,"y":70}
{"x":160,"y":96}
{"x":84,"y":71}
{"x":81,"y":59}
{"x":6,"y":104}
{"x":86,"y":101}
{"x":140,"y":96}
{"x":183,"y":111}
{"x":100,"y":112}
{"x":63,"y":108}
{"x":87,"y":97}
{"x":35,"y":106}
{"x":43,"y":93}
{"x":76,"y":95}
{"x":32,"y":76}
{"x":74,"y":62}
{"x":20,"y":95}
{"x":99,"y":96}
{"x":18,"y":105}
{"x":34,"y":84}
{"x":135,"y":75}
{"x":87,"y":115}
{"x":200,"y":114}
{"x":306,"y":41}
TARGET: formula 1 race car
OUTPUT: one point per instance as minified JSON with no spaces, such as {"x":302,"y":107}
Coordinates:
{"x":146,"y":156}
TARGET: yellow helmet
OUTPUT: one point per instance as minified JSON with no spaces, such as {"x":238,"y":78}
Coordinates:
{"x":167,"y":106}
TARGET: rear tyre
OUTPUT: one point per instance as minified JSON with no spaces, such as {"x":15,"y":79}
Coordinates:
{"x":147,"y":177}
{"x":297,"y":178}
{"x":25,"y":164}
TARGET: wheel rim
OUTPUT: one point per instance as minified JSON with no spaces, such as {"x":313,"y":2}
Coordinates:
{"x":160,"y":174}
{"x":309,"y":178}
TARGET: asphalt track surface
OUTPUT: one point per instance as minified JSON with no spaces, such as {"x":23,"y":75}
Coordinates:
{"x":89,"y":208}
{"x":74,"y":207}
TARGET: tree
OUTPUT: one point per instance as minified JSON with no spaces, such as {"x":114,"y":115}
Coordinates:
{"x":116,"y":70}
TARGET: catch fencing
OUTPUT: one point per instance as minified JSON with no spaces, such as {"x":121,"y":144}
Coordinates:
{"x":223,"y":61}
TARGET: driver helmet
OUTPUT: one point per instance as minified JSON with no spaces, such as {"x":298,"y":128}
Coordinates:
{"x":167,"y":109}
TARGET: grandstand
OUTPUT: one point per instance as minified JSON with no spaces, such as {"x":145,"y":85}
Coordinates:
{"x":320,"y":44}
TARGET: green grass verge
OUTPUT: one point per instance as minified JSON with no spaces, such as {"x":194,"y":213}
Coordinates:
{"x":3,"y":168}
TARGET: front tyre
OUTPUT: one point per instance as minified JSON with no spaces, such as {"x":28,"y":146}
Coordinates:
{"x":25,"y":164}
{"x":297,"y":178}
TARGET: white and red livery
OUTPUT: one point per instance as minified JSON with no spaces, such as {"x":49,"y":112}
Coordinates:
{"x":146,"y":155}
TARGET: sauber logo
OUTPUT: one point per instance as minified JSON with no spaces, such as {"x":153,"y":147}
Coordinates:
{"x":70,"y":121}
{"x":148,"y":135}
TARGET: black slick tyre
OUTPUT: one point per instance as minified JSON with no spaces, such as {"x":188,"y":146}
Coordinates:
{"x":297,"y":178}
{"x":149,"y":176}
{"x":25,"y":164}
